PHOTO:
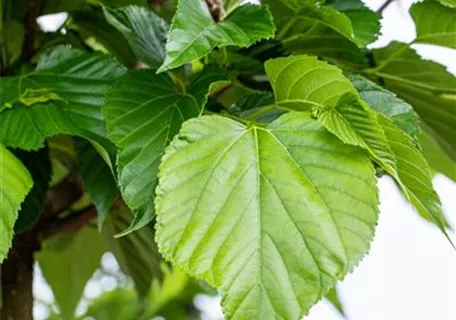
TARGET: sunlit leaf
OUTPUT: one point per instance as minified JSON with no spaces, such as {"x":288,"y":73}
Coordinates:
{"x":263,"y":212}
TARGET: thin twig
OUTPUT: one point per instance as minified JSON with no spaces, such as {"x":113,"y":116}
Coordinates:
{"x":384,"y":6}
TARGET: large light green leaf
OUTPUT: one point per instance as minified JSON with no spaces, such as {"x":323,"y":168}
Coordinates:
{"x":39,"y":165}
{"x":68,"y":261}
{"x":270,"y":216}
{"x":388,"y":104}
{"x":144,"y":30}
{"x":143,"y":113}
{"x":435,"y":23}
{"x":97,"y":178}
{"x":365,"y":22}
{"x":194,"y":33}
{"x":136,"y":253}
{"x":63,"y":96}
{"x":15,"y":184}
{"x":304,"y":27}
{"x":300,"y":82}
{"x":426,"y":85}
{"x":414,"y":173}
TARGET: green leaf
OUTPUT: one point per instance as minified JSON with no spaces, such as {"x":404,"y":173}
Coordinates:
{"x":97,"y":179}
{"x":365,"y":22}
{"x":120,"y":304}
{"x":136,"y":253}
{"x":449,"y":3}
{"x":388,"y":104}
{"x":333,"y":297}
{"x":426,"y":85}
{"x":144,"y":30}
{"x":143,"y":113}
{"x":194,"y":33}
{"x":354,"y":123}
{"x":435,"y":23}
{"x":262,"y":212}
{"x":436,"y":157}
{"x":68,"y":261}
{"x":39,"y":165}
{"x":13,"y":39}
{"x":301,"y":82}
{"x":80,"y":79}
{"x":91,"y":24}
{"x":27,"y":128}
{"x":307,"y":28}
{"x":414,"y":173}
{"x":173,"y":297}
{"x":15,"y":184}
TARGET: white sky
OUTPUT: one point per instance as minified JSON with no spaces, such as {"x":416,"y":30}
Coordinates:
{"x":410,"y":272}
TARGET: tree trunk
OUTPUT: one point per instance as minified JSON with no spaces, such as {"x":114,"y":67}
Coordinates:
{"x":17,"y":279}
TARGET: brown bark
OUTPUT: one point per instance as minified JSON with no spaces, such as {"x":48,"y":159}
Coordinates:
{"x":31,"y":28}
{"x":216,"y":8}
{"x":17,"y":279}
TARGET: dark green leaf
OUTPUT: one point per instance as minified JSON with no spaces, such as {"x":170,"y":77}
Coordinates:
{"x":365,"y":22}
{"x":388,"y":104}
{"x":90,"y":23}
{"x":39,"y":166}
{"x":79,"y":79}
{"x":262,"y":212}
{"x":144,"y":30}
{"x":304,"y":27}
{"x":97,"y":178}
{"x":143,"y":113}
{"x":194,"y":33}
{"x":426,"y":85}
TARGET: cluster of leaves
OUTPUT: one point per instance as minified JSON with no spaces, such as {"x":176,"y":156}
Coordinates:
{"x":250,"y":142}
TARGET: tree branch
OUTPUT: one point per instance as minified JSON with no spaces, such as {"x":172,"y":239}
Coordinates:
{"x":61,"y":196}
{"x":384,"y":6}
{"x":69,"y":224}
{"x":156,"y":3}
{"x":216,"y":9}
{"x":31,"y":25}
